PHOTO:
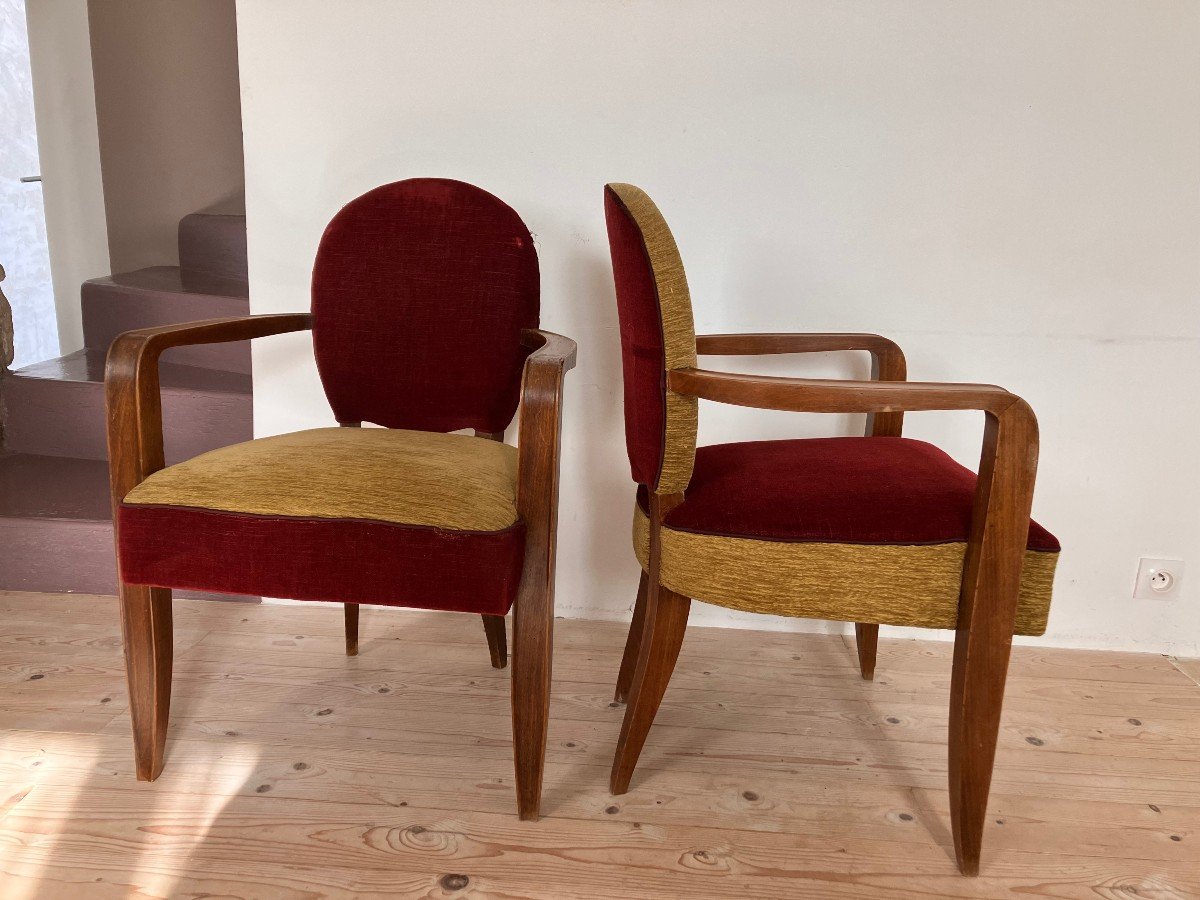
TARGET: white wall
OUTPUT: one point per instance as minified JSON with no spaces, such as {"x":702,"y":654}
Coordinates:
{"x":172,"y":144}
{"x":1009,"y":189}
{"x":65,"y":104}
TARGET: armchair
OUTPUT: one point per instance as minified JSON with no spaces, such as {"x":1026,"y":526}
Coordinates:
{"x":425,"y":303}
{"x":872,"y":530}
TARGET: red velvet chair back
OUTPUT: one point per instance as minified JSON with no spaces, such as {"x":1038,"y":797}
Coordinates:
{"x":657,"y":334}
{"x":419,"y":293}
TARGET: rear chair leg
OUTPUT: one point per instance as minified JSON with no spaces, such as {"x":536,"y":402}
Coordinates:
{"x":146,"y":626}
{"x":351,"y":610}
{"x":493,"y":627}
{"x":662,"y":635}
{"x":633,"y":642}
{"x":867,"y":639}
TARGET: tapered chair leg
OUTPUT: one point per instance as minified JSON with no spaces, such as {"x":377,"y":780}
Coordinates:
{"x":351,"y":614}
{"x":149,"y":651}
{"x":987,"y":610}
{"x":533,"y":644}
{"x":977,"y":694}
{"x":633,"y":641}
{"x":493,"y":627}
{"x":662,"y":635}
{"x":866,"y":637}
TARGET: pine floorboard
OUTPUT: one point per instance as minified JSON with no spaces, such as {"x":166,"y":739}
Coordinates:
{"x":772,"y":771}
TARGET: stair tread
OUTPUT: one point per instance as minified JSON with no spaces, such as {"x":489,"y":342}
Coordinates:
{"x":88,"y":366}
{"x":53,"y":487}
{"x":174,"y":280}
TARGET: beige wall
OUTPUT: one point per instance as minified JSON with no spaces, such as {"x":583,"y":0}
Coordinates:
{"x":1009,"y":189}
{"x":169,"y":115}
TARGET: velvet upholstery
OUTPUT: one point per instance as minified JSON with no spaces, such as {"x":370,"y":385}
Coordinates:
{"x":886,"y":584}
{"x":452,"y":481}
{"x":365,"y":515}
{"x":419,"y":293}
{"x":852,"y":490}
{"x":657,"y":334}
{"x":856,"y":529}
{"x":310,"y":558}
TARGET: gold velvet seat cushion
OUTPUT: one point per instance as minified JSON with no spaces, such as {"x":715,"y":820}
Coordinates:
{"x":914,"y":585}
{"x":448,"y":481}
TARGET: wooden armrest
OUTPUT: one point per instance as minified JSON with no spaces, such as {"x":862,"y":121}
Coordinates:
{"x":883,"y":350}
{"x":131,"y":386}
{"x":547,"y":346}
{"x":887,"y":359}
{"x":538,"y":445}
{"x":205,"y":331}
{"x":541,"y":423}
{"x":830,"y":396}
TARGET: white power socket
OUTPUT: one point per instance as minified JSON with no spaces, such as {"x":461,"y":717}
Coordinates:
{"x":1158,"y":579}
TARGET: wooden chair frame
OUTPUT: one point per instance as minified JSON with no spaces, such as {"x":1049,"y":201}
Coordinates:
{"x":991,"y":572}
{"x":135,"y":449}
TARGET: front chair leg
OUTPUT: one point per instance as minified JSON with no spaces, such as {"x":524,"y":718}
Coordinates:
{"x":976,"y":697}
{"x":866,"y":637}
{"x":146,"y":626}
{"x":633,"y":641}
{"x":533,"y":643}
{"x":493,"y":627}
{"x":662,"y":635}
{"x":351,"y":612}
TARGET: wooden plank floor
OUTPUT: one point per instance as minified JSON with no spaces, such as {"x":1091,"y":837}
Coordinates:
{"x":773,"y":770}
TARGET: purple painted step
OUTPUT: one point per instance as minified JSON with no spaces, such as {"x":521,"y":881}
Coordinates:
{"x":165,"y":295}
{"x":56,"y":408}
{"x":55,"y":527}
{"x":55,"y":523}
{"x":213,"y":244}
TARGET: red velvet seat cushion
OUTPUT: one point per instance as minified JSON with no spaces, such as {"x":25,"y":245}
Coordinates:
{"x":854,"y":490}
{"x":347,"y":560}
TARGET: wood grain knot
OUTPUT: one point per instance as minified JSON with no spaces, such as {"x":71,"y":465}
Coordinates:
{"x":454,"y":882}
{"x":707,"y":860}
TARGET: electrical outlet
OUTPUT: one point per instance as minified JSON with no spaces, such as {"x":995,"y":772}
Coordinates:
{"x":1158,"y":579}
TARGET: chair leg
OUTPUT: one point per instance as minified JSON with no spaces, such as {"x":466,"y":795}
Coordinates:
{"x":977,"y":694}
{"x":867,"y":638}
{"x":493,"y":627}
{"x":977,"y":684}
{"x":633,"y":642}
{"x":662,"y":635}
{"x":351,"y":613}
{"x":533,"y":645}
{"x":149,"y":650}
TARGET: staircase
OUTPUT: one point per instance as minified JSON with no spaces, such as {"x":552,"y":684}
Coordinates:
{"x":55,"y":517}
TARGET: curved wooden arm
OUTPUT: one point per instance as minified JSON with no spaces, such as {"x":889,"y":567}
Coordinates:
{"x":537,"y":502}
{"x":546,"y":346}
{"x":831,"y":396}
{"x":762,"y":344}
{"x":887,"y":359}
{"x":135,"y":440}
{"x":538,"y":438}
